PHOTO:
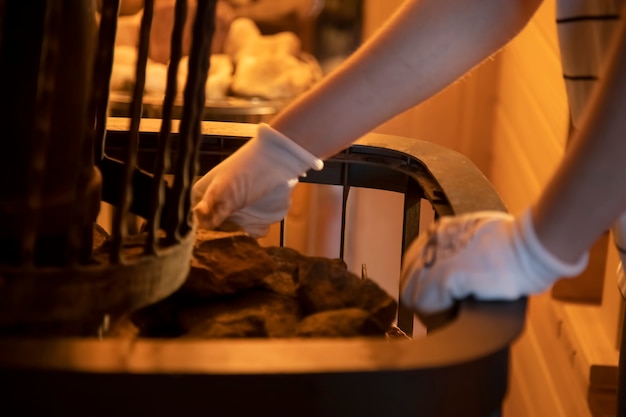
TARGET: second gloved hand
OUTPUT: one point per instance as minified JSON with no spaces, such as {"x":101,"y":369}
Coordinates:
{"x":488,"y":255}
{"x":252,"y":187}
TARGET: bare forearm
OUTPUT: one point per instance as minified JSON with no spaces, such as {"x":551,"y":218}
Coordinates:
{"x":425,"y":47}
{"x":588,"y":191}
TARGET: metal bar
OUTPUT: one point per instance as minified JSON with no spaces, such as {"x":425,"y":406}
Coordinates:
{"x":281,"y":238}
{"x":162,"y":161}
{"x":208,"y":11}
{"x":193,"y":106}
{"x":345,"y":175}
{"x":410,"y":231}
{"x":103,"y":68}
{"x":120,"y":217}
{"x":80,"y":236}
{"x":44,"y":107}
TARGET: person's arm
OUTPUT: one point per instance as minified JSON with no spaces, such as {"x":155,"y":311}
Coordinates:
{"x":588,"y":191}
{"x":425,"y":46}
{"x":500,"y":256}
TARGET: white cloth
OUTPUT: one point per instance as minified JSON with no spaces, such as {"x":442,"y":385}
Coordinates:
{"x":488,"y":255}
{"x":252,"y":187}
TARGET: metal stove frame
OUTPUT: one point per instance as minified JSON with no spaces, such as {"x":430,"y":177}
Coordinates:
{"x":460,"y":369}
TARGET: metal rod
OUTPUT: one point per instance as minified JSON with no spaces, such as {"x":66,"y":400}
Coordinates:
{"x":281,"y":238}
{"x":209,"y":11}
{"x":103,"y":68}
{"x":44,"y":108}
{"x":193,"y":108}
{"x":345,"y":173}
{"x":120,"y":217}
{"x":410,"y":230}
{"x":87,"y":183}
{"x":163,"y":160}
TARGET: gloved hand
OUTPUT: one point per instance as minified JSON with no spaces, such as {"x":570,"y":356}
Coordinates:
{"x":253,"y":186}
{"x":488,"y":255}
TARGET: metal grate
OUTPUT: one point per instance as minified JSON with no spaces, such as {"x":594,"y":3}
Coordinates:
{"x":55,"y":67}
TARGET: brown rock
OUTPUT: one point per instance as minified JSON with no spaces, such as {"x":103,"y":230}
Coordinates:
{"x":238,"y":289}
{"x":226,"y":263}
{"x":370,"y":297}
{"x":252,"y":314}
{"x":288,"y":263}
{"x":348,"y":322}
{"x":280,"y":282}
{"x":285,"y":259}
{"x":325,"y":285}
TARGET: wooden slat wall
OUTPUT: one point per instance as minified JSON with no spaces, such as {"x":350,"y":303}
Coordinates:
{"x":531,"y":114}
{"x":551,"y":363}
{"x":459,"y":117}
{"x":509,"y":115}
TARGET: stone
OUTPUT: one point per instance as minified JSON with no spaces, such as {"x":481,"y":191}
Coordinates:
{"x":326,"y":285}
{"x":280,"y":282}
{"x":225,"y":264}
{"x":252,"y":314}
{"x":347,"y":322}
{"x":237,"y":289}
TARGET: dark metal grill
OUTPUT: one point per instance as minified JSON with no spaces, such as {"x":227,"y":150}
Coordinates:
{"x":55,"y":95}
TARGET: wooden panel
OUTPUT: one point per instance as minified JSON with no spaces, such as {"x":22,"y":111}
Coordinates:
{"x":588,"y":286}
{"x":552,"y":361}
{"x":531,"y":119}
{"x":460,"y":117}
{"x":512,"y":173}
{"x":612,"y":308}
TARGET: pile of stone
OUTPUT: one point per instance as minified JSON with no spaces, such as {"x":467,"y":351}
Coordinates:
{"x":236,"y":288}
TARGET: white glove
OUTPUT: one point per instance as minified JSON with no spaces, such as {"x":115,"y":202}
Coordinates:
{"x":252,"y":187}
{"x":488,"y":255}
